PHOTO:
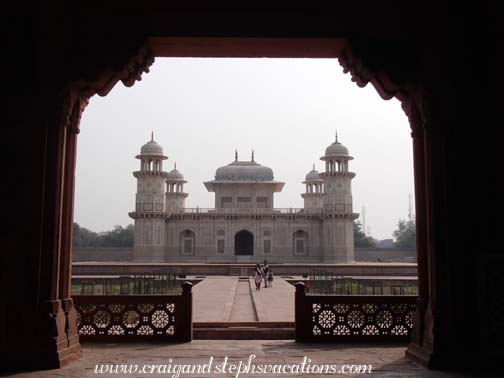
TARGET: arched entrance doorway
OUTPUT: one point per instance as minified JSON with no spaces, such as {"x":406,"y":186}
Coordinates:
{"x":244,"y":243}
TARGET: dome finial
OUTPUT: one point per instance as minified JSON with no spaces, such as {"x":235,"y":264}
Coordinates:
{"x":175,"y":165}
{"x":336,"y":135}
{"x":236,"y":155}
{"x":313,"y":166}
{"x":252,"y":155}
{"x":152,"y":136}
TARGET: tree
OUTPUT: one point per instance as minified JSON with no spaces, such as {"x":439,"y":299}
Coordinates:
{"x":360,"y":238}
{"x":405,"y":235}
{"x":82,"y":237}
{"x":118,"y":237}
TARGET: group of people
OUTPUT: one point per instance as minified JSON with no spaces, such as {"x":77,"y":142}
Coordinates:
{"x":263,"y":273}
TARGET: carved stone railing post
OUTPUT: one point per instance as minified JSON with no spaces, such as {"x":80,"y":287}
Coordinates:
{"x":185,"y":314}
{"x":300,"y":312}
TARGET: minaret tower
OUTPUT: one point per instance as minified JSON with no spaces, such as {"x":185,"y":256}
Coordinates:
{"x":337,"y":205}
{"x":149,"y":214}
{"x":175,"y":196}
{"x":314,"y":190}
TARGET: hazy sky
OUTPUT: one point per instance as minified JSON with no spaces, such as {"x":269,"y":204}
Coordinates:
{"x":201,"y":110}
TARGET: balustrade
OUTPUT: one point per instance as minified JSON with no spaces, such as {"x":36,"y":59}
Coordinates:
{"x":135,"y":317}
{"x":345,"y":317}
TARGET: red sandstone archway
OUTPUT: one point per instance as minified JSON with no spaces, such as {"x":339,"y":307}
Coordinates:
{"x":74,"y":99}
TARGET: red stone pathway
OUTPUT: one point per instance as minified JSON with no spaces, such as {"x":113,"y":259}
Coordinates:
{"x":275,"y":303}
{"x":213,"y":299}
{"x":224,"y":299}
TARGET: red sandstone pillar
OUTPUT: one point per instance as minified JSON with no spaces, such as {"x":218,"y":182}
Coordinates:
{"x":430,"y":339}
{"x":42,"y":332}
{"x":420,"y":347}
{"x":185,"y":326}
{"x":300,"y":312}
{"x":71,"y":339}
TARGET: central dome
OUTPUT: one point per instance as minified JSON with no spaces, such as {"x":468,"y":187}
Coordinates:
{"x":244,"y":171}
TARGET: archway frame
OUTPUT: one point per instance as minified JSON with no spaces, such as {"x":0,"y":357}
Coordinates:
{"x":128,"y":68}
{"x":185,"y":235}
{"x":300,"y":234}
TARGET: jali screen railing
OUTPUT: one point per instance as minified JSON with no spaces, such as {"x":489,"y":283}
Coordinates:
{"x":347,"y":317}
{"x":135,"y":317}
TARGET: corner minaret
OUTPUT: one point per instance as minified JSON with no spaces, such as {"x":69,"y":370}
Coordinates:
{"x":175,"y":196}
{"x":314,"y":190}
{"x":149,"y":214}
{"x":337,"y":205}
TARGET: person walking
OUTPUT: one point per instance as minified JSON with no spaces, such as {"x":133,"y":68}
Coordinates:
{"x":270,"y":278}
{"x":257,"y":277}
{"x":265,"y":269}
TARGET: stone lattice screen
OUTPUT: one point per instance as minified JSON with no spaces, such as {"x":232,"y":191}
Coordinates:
{"x":135,"y":317}
{"x":340,"y":317}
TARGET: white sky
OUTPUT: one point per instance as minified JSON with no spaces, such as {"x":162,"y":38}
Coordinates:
{"x":201,"y":110}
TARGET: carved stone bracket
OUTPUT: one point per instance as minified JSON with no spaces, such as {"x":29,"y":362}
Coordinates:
{"x":136,"y":66}
{"x":362,"y":75}
{"x":409,"y":94}
{"x":412,"y":111}
{"x":76,"y":95}
{"x":128,"y":72}
{"x":73,"y":106}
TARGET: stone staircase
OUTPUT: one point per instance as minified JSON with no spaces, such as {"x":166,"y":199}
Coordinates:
{"x":242,"y":271}
{"x":243,"y":330}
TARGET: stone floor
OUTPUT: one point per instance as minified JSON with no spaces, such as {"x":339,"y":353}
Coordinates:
{"x":386,"y":360}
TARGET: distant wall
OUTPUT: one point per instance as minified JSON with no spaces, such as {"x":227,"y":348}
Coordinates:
{"x":197,"y":269}
{"x":126,"y":255}
{"x":102,"y":254}
{"x":385,"y":255}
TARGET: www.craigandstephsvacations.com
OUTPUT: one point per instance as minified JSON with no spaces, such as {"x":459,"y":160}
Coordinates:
{"x":226,"y":366}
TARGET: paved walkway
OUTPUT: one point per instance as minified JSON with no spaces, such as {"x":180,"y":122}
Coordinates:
{"x":275,"y":303}
{"x":229,"y":299}
{"x":213,"y":299}
{"x":386,"y":360}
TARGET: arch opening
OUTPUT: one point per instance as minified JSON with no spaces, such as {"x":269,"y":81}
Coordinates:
{"x":300,"y":242}
{"x":244,"y":243}
{"x":187,"y":242}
